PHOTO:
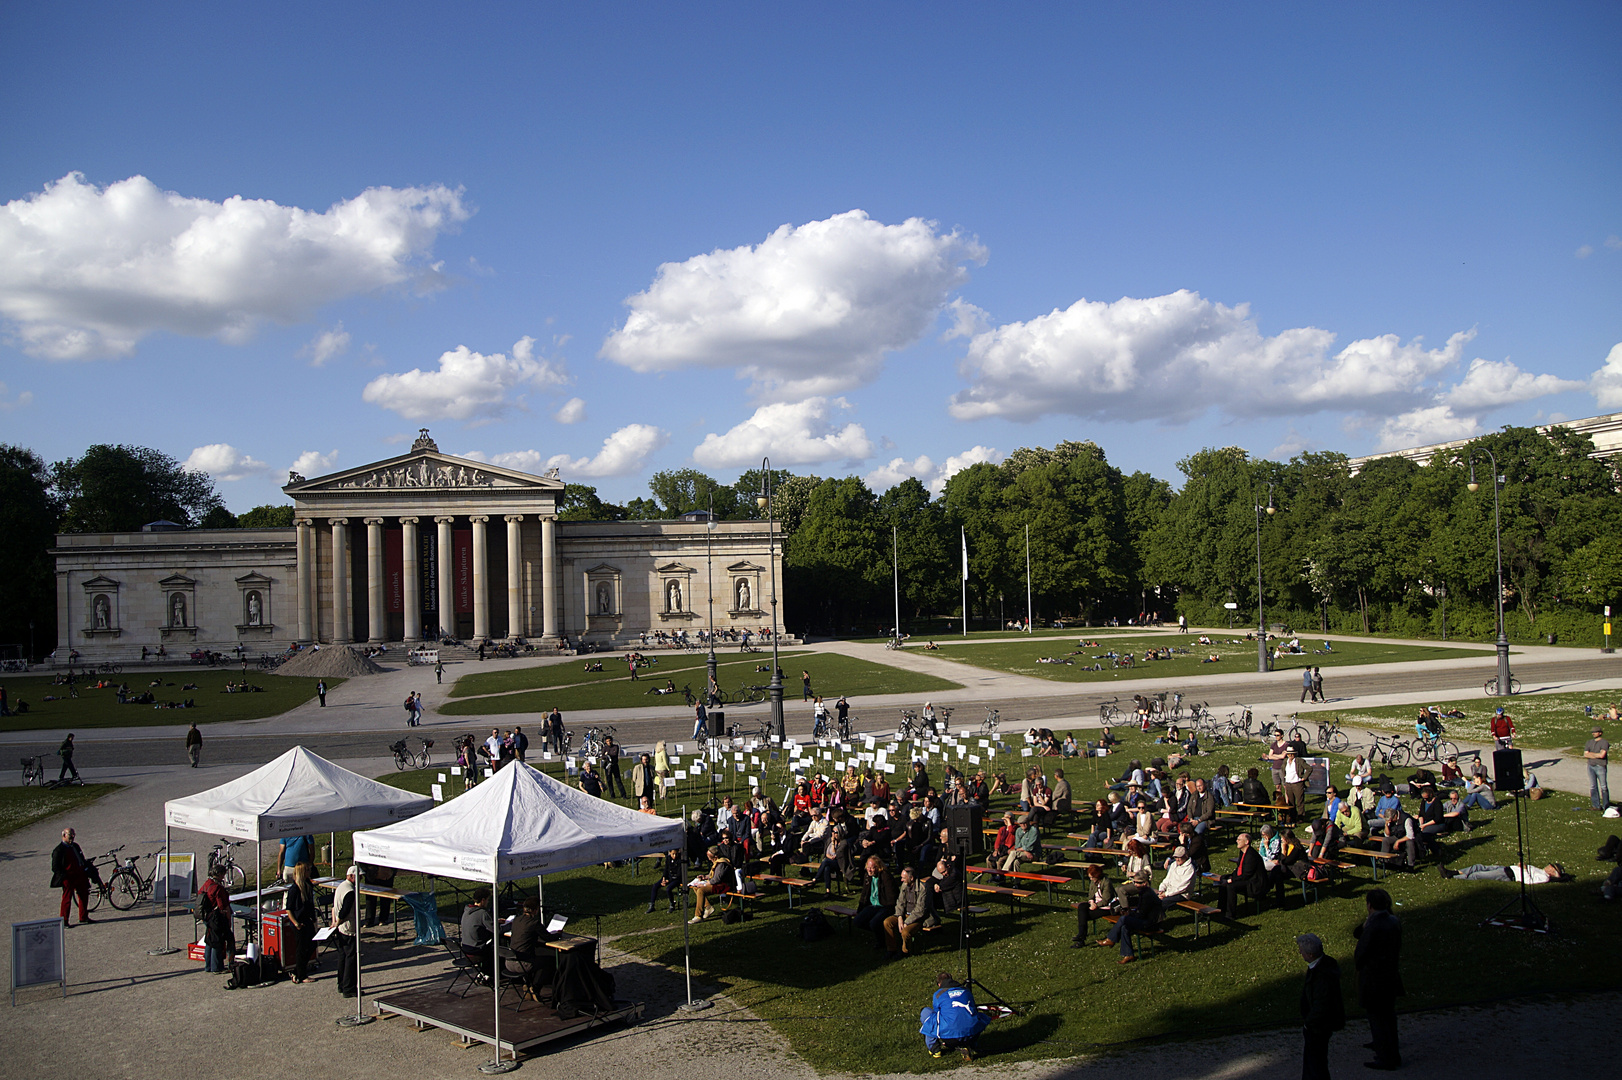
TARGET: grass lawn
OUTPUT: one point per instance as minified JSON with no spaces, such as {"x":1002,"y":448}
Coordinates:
{"x":1020,"y":656}
{"x":97,"y":704}
{"x":845,"y":1009}
{"x":831,"y":676}
{"x":1545,"y":721}
{"x":20,"y":807}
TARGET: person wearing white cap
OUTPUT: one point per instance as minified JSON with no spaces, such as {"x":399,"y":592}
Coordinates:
{"x":343,"y":928}
{"x":1178,"y":883}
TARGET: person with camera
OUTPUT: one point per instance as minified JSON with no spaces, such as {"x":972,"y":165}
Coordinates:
{"x":951,"y":1020}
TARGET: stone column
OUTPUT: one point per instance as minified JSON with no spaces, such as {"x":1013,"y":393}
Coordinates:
{"x":481,"y":578}
{"x":413,"y":579}
{"x":549,"y":577}
{"x":306,"y":579}
{"x":343,"y":627}
{"x":376,"y":617}
{"x":515,"y":583}
{"x":447,"y":597}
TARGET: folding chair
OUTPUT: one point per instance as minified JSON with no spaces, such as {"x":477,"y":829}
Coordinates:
{"x":463,"y":967}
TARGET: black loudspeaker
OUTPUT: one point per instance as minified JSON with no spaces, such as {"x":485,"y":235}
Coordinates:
{"x":718,"y":724}
{"x":966,"y":822}
{"x":1507,"y":774}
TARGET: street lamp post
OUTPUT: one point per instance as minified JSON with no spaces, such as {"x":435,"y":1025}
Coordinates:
{"x":1261,"y":615}
{"x":709,"y":571}
{"x":1498,"y":545}
{"x":774,"y":690}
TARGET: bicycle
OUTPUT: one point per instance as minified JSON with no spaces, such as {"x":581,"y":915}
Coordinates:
{"x":1331,"y":737}
{"x":749,"y":695}
{"x":1109,"y":712}
{"x":34,"y":771}
{"x":592,"y":745}
{"x":1390,"y":749}
{"x":1239,"y":722}
{"x":759,"y":729}
{"x":127,"y":887}
{"x":109,"y":668}
{"x":988,"y":726}
{"x":1434,"y":748}
{"x":405,"y":758}
{"x":221,"y":857}
{"x":1297,"y":733}
{"x":1491,"y":685}
{"x":829,"y":726}
{"x":911,"y":727}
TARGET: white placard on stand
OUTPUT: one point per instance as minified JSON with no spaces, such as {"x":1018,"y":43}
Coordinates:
{"x":177,"y":876}
{"x":438,"y":792}
{"x":38,"y":956}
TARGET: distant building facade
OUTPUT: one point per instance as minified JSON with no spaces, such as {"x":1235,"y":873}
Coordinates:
{"x":414,"y":548}
{"x":1606,"y":431}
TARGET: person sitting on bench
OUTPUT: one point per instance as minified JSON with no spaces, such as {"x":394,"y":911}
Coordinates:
{"x":1100,"y":893}
{"x":1178,"y":884}
{"x":719,"y":883}
{"x":1143,"y":918}
{"x":1399,"y":828}
{"x":1027,"y":844}
{"x":1246,"y":878}
{"x":479,"y":931}
{"x":911,"y":912}
{"x":878,"y":900}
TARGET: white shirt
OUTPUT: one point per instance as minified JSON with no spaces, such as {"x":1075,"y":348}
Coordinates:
{"x":1292,"y":771}
{"x":1534,"y":875}
{"x":493,"y":744}
{"x":1179,"y":878}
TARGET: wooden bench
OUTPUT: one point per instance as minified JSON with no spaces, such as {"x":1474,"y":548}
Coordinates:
{"x":1201,"y":911}
{"x":1158,"y":934}
{"x":787,"y":882}
{"x":1024,"y":875}
{"x":1013,"y":896}
{"x":1376,"y":858}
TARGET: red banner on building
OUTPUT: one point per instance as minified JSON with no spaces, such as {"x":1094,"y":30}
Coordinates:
{"x":394,"y":569}
{"x":462,"y":542}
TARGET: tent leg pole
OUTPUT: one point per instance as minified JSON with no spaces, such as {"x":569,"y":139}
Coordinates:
{"x":499,"y":1064}
{"x":259,"y":907}
{"x":359,"y":1018}
{"x":692,"y":1004}
{"x":167,"y":948}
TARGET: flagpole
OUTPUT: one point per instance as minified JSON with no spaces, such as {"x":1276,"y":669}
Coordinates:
{"x":895,"y":555}
{"x":1028,"y":580}
{"x":964,"y":535}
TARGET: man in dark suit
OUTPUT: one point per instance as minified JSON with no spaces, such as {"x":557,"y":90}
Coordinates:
{"x":1379,"y":983}
{"x":1322,"y":1011}
{"x":71,"y":872}
{"x":1247,"y":878}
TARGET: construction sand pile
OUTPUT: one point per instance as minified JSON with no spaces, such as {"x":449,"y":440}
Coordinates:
{"x":330,"y":662}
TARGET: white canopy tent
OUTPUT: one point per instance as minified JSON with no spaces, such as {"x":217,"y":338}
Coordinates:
{"x":520,"y":823}
{"x":294,"y":795}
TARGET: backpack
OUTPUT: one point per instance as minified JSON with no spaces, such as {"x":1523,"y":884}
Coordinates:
{"x":814,"y":926}
{"x":1317,"y":874}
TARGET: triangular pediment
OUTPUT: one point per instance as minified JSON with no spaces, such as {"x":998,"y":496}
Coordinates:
{"x":255,"y":578}
{"x":603,"y":568}
{"x":675,"y":568}
{"x":745,"y":567}
{"x":177,"y":581}
{"x":425,"y":470}
{"x":101,"y":581}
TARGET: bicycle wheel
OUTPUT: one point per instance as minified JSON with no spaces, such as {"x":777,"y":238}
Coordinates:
{"x":1514,"y":685}
{"x":1400,"y":753}
{"x":1337,"y":743}
{"x":124,"y":890}
{"x":96,"y":893}
{"x":402,"y":760}
{"x":1446,"y":749}
{"x":237,"y":878}
{"x":1491,"y":686}
{"x":421,"y":760}
{"x":1298,"y":734}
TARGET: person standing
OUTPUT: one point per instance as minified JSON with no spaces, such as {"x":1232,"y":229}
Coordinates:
{"x":1317,"y":684}
{"x":194,"y":745}
{"x":439,"y":671}
{"x":1597,"y":752}
{"x":612,"y":777}
{"x":1379,"y":982}
{"x":416,"y":708}
{"x":70,"y":872}
{"x":481,"y":652}
{"x":1323,"y":1011}
{"x":379,"y":909}
{"x":520,"y":744}
{"x":343,"y":928}
{"x":1295,"y":785}
{"x":214,"y":908}
{"x":301,"y":913}
{"x":321,"y":691}
{"x":296,"y":850}
{"x":1502,"y":728}
{"x":805,"y":685}
{"x":1306,"y":684}
{"x":66,"y":752}
{"x":556,"y":720}
{"x":643,"y":782}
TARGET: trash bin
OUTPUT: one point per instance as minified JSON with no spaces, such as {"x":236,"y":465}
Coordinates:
{"x":718,"y":723}
{"x":1553,"y":638}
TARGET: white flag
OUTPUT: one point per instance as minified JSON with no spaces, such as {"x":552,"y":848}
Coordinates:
{"x":965,"y":537}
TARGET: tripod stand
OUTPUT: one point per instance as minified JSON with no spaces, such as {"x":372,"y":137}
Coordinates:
{"x":965,"y":846}
{"x":1527,"y":916}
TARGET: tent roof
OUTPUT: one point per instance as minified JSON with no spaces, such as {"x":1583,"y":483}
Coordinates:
{"x":520,"y":823}
{"x":297,"y":793}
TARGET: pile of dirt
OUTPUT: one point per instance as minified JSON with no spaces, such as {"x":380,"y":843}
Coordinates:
{"x":330,"y":662}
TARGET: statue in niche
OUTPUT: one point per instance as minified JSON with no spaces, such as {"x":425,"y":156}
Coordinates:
{"x":673,"y":597}
{"x":605,"y":598}
{"x":177,"y":609}
{"x":255,"y":613}
{"x":743,"y":595}
{"x":104,"y":612}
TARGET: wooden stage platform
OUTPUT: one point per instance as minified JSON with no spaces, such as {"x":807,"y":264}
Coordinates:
{"x":473,"y":1019}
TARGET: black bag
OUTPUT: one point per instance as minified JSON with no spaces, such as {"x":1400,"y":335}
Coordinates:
{"x":581,"y":986}
{"x":732,"y":915}
{"x":814,"y":926}
{"x":243,"y":973}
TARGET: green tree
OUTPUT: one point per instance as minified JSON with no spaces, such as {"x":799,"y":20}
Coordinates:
{"x":924,"y":553}
{"x":680,"y":491}
{"x":835,"y":551}
{"x":28,"y":520}
{"x":266,"y":517}
{"x":581,"y":503}
{"x":746,"y":489}
{"x":121,"y":488}
{"x":218,"y":518}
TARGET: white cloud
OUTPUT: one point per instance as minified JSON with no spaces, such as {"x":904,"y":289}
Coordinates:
{"x":467,"y":385}
{"x":21,"y":401}
{"x":1613,"y":242}
{"x":88,"y":272}
{"x":529,"y":461}
{"x":1607,"y":381}
{"x":1173,"y":357}
{"x":571,"y":412}
{"x":924,"y":468}
{"x":326,"y":345}
{"x":791,"y":433}
{"x":222,"y":461}
{"x":811,"y":310}
{"x":624,"y":452}
{"x":1421,"y":427}
{"x":955,"y":464}
{"x":313,"y":463}
{"x":1488,"y":384}
{"x":1585,"y":251}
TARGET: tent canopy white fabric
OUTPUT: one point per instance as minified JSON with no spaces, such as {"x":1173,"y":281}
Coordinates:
{"x":295,"y":794}
{"x":520,"y":823}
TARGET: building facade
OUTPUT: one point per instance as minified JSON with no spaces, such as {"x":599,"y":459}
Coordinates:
{"x":414,"y":548}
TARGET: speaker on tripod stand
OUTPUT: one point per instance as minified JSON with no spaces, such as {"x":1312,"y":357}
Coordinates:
{"x":966,"y":822}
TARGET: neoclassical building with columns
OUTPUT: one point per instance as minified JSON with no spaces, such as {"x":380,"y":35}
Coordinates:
{"x":414,"y":548}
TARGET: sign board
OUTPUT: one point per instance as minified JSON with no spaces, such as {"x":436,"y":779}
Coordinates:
{"x":1318,"y":779}
{"x":38,"y":957}
{"x":439,"y":792}
{"x":176,"y":874}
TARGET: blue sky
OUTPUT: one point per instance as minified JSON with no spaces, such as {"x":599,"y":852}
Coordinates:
{"x":876,"y":239}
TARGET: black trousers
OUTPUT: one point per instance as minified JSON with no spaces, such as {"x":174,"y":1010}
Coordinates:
{"x":1383,"y":1033}
{"x":612,"y":778}
{"x":870,"y":917}
{"x":346,"y":963}
{"x":1314,"y":1055}
{"x":378,"y":910}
